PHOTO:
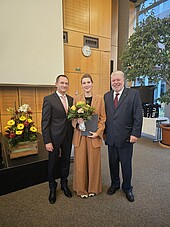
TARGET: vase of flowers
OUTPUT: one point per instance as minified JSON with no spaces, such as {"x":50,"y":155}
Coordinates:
{"x":21,"y":132}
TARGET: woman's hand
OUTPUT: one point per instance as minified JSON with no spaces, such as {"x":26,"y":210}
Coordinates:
{"x":93,"y":135}
{"x":80,"y":120}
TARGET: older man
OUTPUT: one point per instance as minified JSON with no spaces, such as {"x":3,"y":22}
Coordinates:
{"x":123,"y":127}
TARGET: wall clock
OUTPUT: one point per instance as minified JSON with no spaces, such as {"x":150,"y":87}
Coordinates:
{"x":86,"y":50}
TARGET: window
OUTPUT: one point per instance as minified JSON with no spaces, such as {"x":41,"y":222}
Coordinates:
{"x":161,"y":9}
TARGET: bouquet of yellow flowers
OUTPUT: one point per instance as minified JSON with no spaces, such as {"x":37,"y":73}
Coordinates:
{"x":20,"y":127}
{"x":80,"y":110}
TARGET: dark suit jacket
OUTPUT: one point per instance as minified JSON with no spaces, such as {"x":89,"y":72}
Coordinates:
{"x":125,"y":119}
{"x":55,"y":125}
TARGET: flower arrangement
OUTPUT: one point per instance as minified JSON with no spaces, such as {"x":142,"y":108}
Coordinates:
{"x":80,"y":110}
{"x":20,"y":127}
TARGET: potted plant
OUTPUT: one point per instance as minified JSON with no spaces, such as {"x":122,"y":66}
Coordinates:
{"x":21,"y":132}
{"x":147,"y":55}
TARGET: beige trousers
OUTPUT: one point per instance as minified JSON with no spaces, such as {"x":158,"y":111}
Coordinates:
{"x":87,"y":168}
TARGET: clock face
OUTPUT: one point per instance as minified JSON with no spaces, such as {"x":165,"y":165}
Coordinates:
{"x":86,"y":50}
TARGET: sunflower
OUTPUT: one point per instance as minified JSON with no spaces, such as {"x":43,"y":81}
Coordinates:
{"x":20,"y":126}
{"x":11,"y":122}
{"x":33,"y":129}
{"x":18,"y":132}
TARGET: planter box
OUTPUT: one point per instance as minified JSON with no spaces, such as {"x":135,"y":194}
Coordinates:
{"x":23,"y":149}
{"x":165,"y":134}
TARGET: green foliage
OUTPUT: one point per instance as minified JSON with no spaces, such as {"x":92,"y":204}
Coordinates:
{"x":147,"y":53}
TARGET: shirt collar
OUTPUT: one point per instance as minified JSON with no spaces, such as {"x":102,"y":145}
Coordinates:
{"x":120,"y":92}
{"x":60,"y":95}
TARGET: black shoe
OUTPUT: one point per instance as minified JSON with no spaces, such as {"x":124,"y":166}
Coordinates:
{"x":2,"y":165}
{"x":52,"y":196}
{"x":66,"y":191}
{"x":130,"y":196}
{"x":111,"y":190}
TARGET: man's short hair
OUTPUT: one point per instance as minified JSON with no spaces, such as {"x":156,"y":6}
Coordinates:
{"x":62,"y":75}
{"x":118,"y":73}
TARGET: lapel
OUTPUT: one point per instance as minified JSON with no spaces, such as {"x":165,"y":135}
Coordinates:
{"x":111,"y":95}
{"x":69,"y":101}
{"x":59,"y":101}
{"x":94,"y":98}
{"x":123,"y":96}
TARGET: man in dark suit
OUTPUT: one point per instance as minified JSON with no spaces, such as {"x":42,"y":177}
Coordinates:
{"x":123,"y":128}
{"x":57,"y":135}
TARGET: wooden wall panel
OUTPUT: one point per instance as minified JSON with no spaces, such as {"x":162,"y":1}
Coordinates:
{"x":74,"y":83}
{"x":100,"y":18}
{"x":96,"y":83}
{"x":40,"y":93}
{"x":105,"y":73}
{"x":38,"y":125}
{"x":105,"y":44}
{"x":72,"y":58}
{"x":75,"y":61}
{"x":8,"y":95}
{"x":74,"y":38}
{"x":91,"y":64}
{"x":76,"y":15}
{"x":27,"y":96}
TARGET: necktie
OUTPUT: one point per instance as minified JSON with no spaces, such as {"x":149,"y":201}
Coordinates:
{"x":116,"y":100}
{"x":63,"y":99}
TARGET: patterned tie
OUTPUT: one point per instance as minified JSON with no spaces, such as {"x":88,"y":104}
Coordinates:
{"x":63,"y":99}
{"x":116,"y":100}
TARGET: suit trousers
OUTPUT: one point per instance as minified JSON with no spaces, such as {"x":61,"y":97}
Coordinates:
{"x":58,"y":167}
{"x":87,"y":168}
{"x":123,"y":156}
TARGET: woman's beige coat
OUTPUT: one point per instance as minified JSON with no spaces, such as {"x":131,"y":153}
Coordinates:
{"x":87,"y":155}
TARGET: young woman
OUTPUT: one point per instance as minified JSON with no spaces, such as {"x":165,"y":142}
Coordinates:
{"x":87,"y":154}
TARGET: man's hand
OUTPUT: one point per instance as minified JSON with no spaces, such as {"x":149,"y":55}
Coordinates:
{"x":133,"y":139}
{"x":49,"y":147}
